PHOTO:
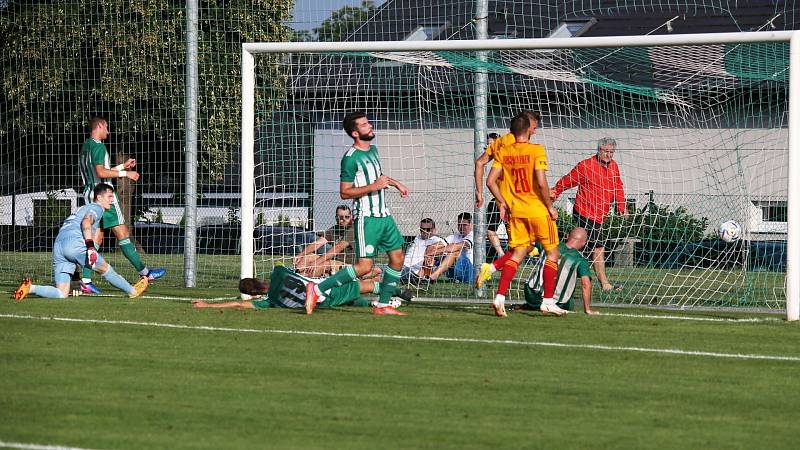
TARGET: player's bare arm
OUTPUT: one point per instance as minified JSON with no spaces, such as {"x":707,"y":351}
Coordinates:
{"x":586,"y":288}
{"x":335,"y":250}
{"x":402,"y":188}
{"x":480,"y":163}
{"x":544,"y":192}
{"x":494,"y":188}
{"x":348,"y":192}
{"x":114,"y":173}
{"x":310,"y":249}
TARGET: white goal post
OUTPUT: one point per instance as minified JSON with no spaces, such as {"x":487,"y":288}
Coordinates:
{"x":248,"y":147}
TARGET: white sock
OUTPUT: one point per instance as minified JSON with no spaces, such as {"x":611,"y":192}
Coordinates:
{"x":320,"y":293}
{"x":499,"y":299}
{"x":493,"y":270}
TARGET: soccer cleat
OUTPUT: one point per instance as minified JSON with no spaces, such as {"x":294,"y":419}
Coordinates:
{"x":484,"y":275}
{"x":311,"y":297}
{"x":499,"y":309}
{"x":155,"y":274}
{"x":23,"y":289}
{"x":90,"y":288}
{"x":552,"y":309}
{"x":386,"y":311}
{"x":404,"y":294}
{"x":139,"y":287}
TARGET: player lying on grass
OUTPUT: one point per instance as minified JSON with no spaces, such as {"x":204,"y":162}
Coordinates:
{"x":571,"y":265}
{"x":74,"y":247}
{"x":524,"y":195}
{"x":287,"y":289}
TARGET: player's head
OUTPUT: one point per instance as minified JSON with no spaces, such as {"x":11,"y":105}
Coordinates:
{"x":103,"y":195}
{"x":491,"y":137}
{"x":98,"y":127}
{"x":427,"y":228}
{"x":605,"y":149}
{"x":577,"y":238}
{"x":253,"y":286}
{"x":520,"y":125}
{"x":357,"y":126}
{"x":464,"y":223}
{"x":344,"y":216}
{"x":535,"y":118}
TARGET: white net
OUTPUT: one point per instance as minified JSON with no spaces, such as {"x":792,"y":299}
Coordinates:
{"x":701,"y":134}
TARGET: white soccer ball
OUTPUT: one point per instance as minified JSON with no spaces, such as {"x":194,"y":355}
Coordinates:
{"x":730,"y":231}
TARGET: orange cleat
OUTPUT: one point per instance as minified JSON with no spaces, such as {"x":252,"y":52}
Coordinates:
{"x":386,"y":311}
{"x":311,"y":297}
{"x":23,"y":289}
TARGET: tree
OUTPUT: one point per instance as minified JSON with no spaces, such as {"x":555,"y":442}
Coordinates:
{"x":64,"y":61}
{"x":344,"y":21}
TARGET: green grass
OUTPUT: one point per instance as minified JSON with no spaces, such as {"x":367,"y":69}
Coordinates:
{"x":114,"y":385}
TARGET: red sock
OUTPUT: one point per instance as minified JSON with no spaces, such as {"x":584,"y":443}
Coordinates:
{"x":499,"y":262}
{"x":549,"y":278}
{"x":509,"y":270}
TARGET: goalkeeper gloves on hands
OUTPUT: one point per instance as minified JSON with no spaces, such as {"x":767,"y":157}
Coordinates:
{"x":91,"y":253}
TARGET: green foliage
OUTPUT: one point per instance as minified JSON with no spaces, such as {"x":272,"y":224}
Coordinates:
{"x":62,"y":62}
{"x":260,"y":220}
{"x":232,"y":217}
{"x":159,"y":218}
{"x":656,"y":223}
{"x":344,"y":22}
{"x":283,"y":221}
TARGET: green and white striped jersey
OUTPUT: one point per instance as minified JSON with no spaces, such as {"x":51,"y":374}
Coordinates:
{"x":571,"y":265}
{"x":362,"y":167}
{"x":93,"y":153}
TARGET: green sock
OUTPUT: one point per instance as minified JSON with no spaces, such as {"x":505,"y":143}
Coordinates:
{"x":86,"y":271}
{"x":129,"y":250}
{"x":388,"y":285}
{"x":346,"y":275}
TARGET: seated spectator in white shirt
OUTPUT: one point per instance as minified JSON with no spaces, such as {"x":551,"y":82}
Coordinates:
{"x":420,"y":254}
{"x":457,"y":262}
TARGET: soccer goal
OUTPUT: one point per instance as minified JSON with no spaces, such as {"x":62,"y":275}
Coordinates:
{"x":707,"y":130}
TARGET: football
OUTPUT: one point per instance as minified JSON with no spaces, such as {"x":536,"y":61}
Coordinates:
{"x":730,"y":231}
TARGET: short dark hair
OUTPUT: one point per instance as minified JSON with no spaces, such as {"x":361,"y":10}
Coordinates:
{"x":465,"y":216}
{"x":102,"y":188}
{"x":520,"y":124}
{"x":349,"y":122}
{"x":95,"y":122}
{"x":532,"y":115}
{"x":492,"y":136}
{"x":427,"y":220}
{"x":253,"y":286}
{"x":342,"y":208}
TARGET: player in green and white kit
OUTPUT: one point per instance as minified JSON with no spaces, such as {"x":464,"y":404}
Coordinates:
{"x":287,"y":289}
{"x":95,"y":169}
{"x":362,"y":180}
{"x":571,"y":266}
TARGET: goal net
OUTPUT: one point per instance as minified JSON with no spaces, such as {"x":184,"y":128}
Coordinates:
{"x":701,"y":134}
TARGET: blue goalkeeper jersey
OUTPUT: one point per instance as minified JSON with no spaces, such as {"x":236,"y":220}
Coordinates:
{"x":71,"y":229}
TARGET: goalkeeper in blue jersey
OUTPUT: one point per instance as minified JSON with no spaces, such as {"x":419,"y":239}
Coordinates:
{"x":287,"y":289}
{"x":74,"y":248}
{"x":571,"y":266}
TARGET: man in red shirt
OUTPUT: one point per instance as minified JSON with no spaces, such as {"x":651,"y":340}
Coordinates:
{"x":599,"y":183}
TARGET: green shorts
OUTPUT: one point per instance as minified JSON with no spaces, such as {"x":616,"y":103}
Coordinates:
{"x":375,"y":235}
{"x":113,"y":216}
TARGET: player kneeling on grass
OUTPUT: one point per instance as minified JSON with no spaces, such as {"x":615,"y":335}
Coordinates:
{"x":571,"y":265}
{"x":74,"y":247}
{"x":287,"y":289}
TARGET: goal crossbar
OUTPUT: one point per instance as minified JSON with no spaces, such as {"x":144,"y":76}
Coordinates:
{"x":792,"y":37}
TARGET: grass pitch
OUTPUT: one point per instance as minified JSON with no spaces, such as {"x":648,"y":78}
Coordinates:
{"x":155,"y":373}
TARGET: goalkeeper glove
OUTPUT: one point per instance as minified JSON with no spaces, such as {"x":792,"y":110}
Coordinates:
{"x":91,"y":253}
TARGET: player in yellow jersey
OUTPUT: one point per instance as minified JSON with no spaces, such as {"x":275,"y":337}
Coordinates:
{"x":523,"y":197}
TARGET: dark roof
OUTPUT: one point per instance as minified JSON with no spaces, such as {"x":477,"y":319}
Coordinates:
{"x":396,"y":19}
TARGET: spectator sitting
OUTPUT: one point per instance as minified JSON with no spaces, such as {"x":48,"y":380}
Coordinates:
{"x":309,"y":264}
{"x":420,"y":255}
{"x":459,"y":252}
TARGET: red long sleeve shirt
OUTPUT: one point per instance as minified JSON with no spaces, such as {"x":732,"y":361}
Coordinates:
{"x":598,"y":185}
